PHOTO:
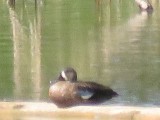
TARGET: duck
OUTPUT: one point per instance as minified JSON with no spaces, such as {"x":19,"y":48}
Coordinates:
{"x":67,"y":91}
{"x":144,"y":5}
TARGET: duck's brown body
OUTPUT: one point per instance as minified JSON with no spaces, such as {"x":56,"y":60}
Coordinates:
{"x":71,"y":93}
{"x":61,"y":93}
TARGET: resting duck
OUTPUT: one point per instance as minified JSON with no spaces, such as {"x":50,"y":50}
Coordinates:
{"x":67,"y":91}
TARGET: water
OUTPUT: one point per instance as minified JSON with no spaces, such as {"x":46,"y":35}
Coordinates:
{"x":111,"y":43}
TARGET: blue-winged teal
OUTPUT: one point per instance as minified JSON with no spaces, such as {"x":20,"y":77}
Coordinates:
{"x":67,"y":91}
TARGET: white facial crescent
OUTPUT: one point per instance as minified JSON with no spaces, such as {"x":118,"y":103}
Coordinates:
{"x":63,"y":75}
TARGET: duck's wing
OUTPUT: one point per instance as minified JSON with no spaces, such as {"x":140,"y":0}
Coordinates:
{"x":92,"y":90}
{"x":85,"y":93}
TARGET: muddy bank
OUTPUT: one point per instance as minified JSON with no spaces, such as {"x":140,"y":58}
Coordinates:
{"x":10,"y":110}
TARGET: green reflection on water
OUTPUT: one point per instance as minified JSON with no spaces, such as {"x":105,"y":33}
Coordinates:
{"x":107,"y":42}
{"x":6,"y":67}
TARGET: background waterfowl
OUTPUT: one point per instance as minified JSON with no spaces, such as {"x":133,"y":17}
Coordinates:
{"x":67,"y":91}
{"x":144,"y":5}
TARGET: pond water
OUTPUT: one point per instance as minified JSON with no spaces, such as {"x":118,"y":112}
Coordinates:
{"x":109,"y":42}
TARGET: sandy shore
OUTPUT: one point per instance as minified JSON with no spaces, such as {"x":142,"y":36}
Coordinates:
{"x":49,"y":110}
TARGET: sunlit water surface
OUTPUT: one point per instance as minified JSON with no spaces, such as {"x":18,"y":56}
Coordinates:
{"x":111,"y":43}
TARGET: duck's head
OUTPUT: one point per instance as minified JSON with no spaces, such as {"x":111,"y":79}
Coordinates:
{"x":68,"y":74}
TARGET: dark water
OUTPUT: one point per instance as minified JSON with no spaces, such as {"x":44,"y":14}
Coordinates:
{"x":111,"y":43}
